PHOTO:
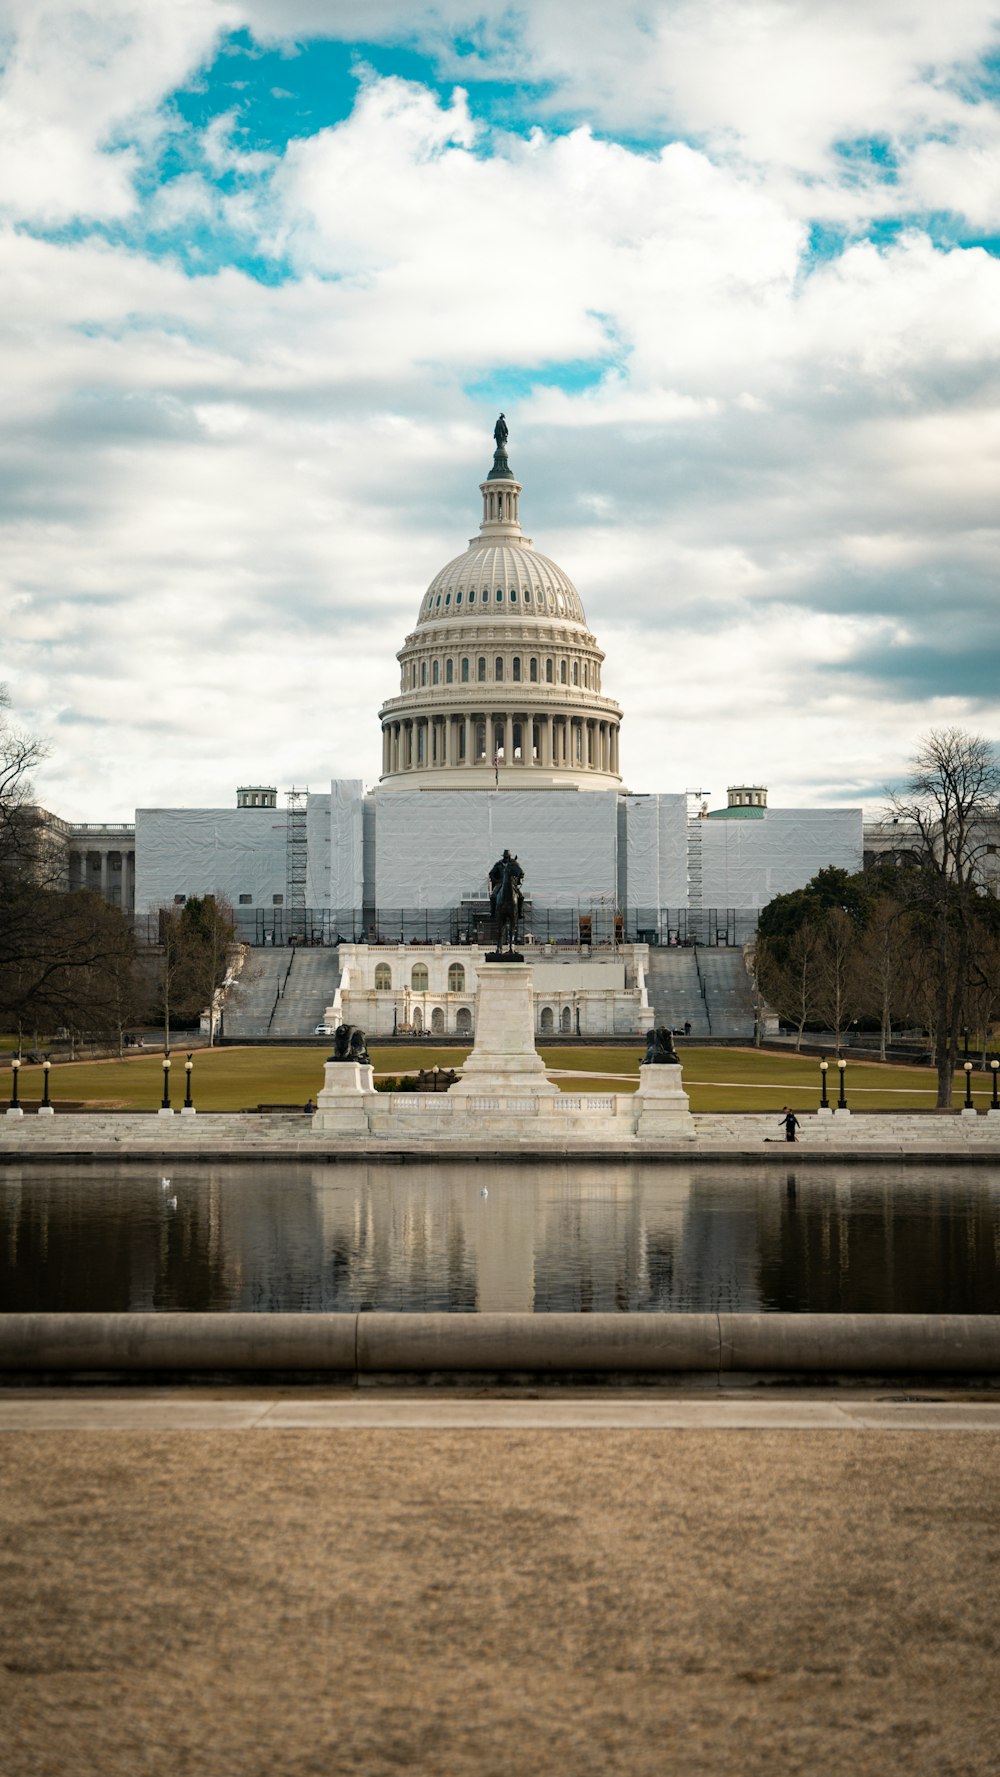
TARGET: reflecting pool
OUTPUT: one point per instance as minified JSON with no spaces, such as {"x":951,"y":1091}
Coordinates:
{"x":636,"y":1238}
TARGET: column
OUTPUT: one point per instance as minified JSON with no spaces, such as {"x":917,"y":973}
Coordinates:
{"x":508,"y":739}
{"x":614,"y":747}
{"x":385,"y":750}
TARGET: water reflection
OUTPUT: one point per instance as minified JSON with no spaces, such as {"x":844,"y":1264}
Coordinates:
{"x":570,"y":1236}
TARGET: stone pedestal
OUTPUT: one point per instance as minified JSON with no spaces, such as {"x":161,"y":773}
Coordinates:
{"x":164,"y":1112}
{"x":45,"y":1110}
{"x":504,"y":1062}
{"x":341,"y":1107}
{"x":15,"y":1110}
{"x":662,"y":1105}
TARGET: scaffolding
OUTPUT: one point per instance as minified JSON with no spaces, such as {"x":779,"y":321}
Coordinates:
{"x":296,"y":861}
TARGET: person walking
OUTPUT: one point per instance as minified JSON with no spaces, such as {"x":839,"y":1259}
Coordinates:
{"x":791,"y":1123}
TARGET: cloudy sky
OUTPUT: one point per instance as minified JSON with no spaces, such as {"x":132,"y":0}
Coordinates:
{"x":271,"y":267}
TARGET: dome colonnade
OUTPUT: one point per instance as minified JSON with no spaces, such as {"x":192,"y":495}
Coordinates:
{"x":500,"y":681}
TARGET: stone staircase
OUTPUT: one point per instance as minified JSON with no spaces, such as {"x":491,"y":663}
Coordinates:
{"x":728,"y":993}
{"x":251,"y":1000}
{"x":673,"y":988}
{"x":311,"y":983}
{"x":281,"y":993}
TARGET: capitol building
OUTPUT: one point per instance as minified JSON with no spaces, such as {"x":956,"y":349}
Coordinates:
{"x":499,"y":732}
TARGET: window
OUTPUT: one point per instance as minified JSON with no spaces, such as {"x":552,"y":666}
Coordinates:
{"x":458,"y":598}
{"x":246,"y":900}
{"x":383,"y":977}
{"x":449,"y":671}
{"x":499,"y":595}
{"x":423,"y":672}
{"x":277,"y":900}
{"x":447,"y":599}
{"x":437,"y":601}
{"x":435,"y":673}
{"x":516,"y":667}
{"x":527,"y":595}
{"x":562,"y":672}
{"x":549,"y":675}
{"x":481,"y":669}
{"x":513,"y":595}
{"x":456,"y":978}
{"x":418,"y":978}
{"x":533,"y":670}
{"x":576,"y":672}
{"x":465,"y":669}
{"x":498,"y":667}
{"x":179,"y":900}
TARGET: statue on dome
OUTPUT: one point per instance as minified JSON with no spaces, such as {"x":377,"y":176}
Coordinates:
{"x":500,"y":433}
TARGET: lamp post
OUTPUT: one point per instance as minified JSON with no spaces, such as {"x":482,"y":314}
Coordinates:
{"x":165,"y":1106}
{"x":969,"y":1106}
{"x":995,"y":1069}
{"x":824,"y":1068}
{"x":15,"y":1107}
{"x":45,"y":1108}
{"x":188,"y":1100}
{"x":842,"y":1100}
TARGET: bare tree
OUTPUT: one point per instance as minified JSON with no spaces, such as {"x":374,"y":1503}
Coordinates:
{"x":882,"y":953}
{"x":949,"y":805}
{"x":787,"y":975}
{"x":838,"y":973}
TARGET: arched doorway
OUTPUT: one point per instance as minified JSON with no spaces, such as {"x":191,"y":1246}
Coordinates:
{"x":418,"y":1018}
{"x":463,"y":1021}
{"x":437,"y":1021}
{"x":566,"y":1021}
{"x":547,"y":1021}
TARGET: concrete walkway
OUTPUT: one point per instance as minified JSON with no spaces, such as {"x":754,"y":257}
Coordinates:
{"x":182,"y":1409}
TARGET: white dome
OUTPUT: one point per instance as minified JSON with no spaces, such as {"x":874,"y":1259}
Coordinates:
{"x":507,"y":580}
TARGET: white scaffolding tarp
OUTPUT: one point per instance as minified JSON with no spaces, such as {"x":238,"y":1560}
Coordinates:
{"x":208,"y":851}
{"x":318,"y":850}
{"x":434,"y":847}
{"x":656,"y":851}
{"x":346,"y":843}
{"x":745,"y":863}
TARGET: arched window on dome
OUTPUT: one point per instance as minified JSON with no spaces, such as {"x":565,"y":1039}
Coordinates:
{"x":458,"y":598}
{"x":383,"y":977}
{"x":437,"y":602}
{"x":481,"y":669}
{"x":449,"y":671}
{"x":515,"y":671}
{"x":486,"y":595}
{"x":498,"y":667}
{"x":533,"y":670}
{"x":418,"y":978}
{"x":527,"y":595}
{"x":456,"y":978}
{"x":513,"y":595}
{"x":447,"y":598}
{"x":563,"y":676}
{"x":499,"y":595}
{"x":465,"y":669}
{"x":435,"y":673}
{"x":576,"y":672}
{"x":549,"y":674}
{"x":423,"y":672}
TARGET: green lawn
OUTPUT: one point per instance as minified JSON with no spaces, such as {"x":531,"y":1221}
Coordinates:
{"x":716,"y":1079}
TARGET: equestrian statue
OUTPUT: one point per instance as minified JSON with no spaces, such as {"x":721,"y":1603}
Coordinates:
{"x":506,"y":907}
